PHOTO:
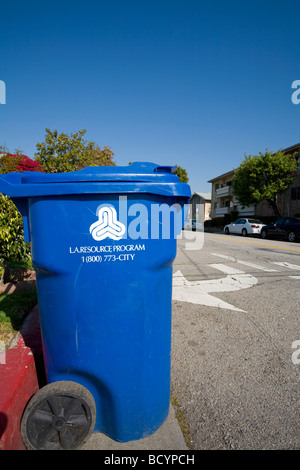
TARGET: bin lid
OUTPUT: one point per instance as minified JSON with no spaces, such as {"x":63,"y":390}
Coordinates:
{"x":138,"y":177}
{"x":134,"y":172}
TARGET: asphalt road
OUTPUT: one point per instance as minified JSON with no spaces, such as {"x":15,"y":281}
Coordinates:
{"x":235,"y":356}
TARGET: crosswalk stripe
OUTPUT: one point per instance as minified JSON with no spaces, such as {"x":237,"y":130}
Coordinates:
{"x":226,"y":269}
{"x":245,"y":263}
{"x":287,"y":265}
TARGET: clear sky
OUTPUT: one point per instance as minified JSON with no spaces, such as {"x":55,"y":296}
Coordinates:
{"x":189,"y":82}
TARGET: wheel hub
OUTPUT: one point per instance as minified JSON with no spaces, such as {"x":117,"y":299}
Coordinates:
{"x":60,"y":423}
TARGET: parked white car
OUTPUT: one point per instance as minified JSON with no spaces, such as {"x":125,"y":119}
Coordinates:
{"x":244,"y":227}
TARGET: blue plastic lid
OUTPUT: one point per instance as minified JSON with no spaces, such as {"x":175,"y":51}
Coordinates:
{"x":136,"y":178}
{"x":135,"y":172}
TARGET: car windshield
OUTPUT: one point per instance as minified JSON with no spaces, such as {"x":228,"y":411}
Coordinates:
{"x":254,"y":221}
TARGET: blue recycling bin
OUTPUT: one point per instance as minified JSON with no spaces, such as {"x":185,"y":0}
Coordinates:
{"x":103,"y":241}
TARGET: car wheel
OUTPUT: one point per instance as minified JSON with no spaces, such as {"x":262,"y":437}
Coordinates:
{"x":244,"y":232}
{"x":263,"y":234}
{"x":291,"y":237}
{"x":227,"y":231}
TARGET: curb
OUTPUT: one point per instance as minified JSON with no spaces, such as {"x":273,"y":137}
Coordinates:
{"x":18,"y":381}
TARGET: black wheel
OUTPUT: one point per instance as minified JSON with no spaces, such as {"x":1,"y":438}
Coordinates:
{"x":244,"y":232}
{"x":263,"y":234}
{"x":60,"y":416}
{"x":227,"y":231}
{"x":291,"y":237}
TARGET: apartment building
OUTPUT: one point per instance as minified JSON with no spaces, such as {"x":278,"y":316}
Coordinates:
{"x":289,"y":202}
{"x":223,"y":200}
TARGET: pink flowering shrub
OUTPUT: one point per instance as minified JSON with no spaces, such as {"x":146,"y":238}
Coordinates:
{"x":10,"y":162}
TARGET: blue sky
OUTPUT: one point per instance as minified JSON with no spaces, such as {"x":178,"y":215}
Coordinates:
{"x":195,"y":83}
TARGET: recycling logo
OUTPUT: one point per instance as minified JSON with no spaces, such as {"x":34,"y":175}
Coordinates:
{"x":107,"y":225}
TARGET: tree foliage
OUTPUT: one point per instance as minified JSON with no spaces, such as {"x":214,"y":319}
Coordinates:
{"x":182,"y":174}
{"x":263,"y":177}
{"x":12,"y":244}
{"x":63,"y":152}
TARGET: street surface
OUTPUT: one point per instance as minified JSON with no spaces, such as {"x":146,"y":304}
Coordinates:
{"x":236,"y":342}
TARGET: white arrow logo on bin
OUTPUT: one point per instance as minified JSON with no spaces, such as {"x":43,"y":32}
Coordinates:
{"x":107,"y":225}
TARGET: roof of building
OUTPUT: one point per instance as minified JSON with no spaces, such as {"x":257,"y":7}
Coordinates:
{"x":206,"y":196}
{"x":220,"y":176}
{"x":291,"y":149}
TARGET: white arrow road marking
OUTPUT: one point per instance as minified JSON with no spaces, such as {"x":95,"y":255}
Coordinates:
{"x":197,"y":292}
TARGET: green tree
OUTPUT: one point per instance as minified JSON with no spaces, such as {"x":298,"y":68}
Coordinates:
{"x":182,"y":174}
{"x":63,"y":152}
{"x":263,"y":177}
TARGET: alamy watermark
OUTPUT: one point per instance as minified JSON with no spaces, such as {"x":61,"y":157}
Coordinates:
{"x":138,"y":221}
{"x":2,"y":92}
{"x":296,"y":94}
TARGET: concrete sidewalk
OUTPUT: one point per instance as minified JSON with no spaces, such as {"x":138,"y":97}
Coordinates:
{"x":167,"y":437}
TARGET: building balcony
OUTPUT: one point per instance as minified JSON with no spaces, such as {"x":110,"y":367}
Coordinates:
{"x":224,"y":192}
{"x":248,"y":210}
{"x":221,"y":211}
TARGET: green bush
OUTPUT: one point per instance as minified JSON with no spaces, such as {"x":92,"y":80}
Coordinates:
{"x":12,"y":244}
{"x":13,"y":309}
{"x":1,"y":269}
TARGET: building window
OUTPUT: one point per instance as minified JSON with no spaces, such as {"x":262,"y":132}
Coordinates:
{"x":295,"y":194}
